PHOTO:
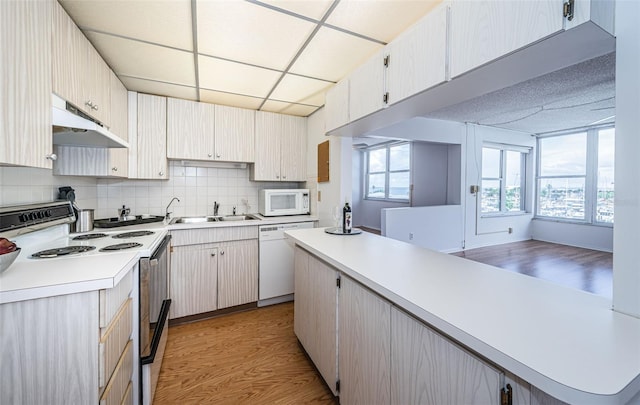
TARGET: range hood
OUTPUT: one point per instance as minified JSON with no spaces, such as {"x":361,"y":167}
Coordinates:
{"x":71,"y":129}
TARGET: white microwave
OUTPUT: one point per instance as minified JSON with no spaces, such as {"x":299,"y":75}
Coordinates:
{"x":275,"y":202}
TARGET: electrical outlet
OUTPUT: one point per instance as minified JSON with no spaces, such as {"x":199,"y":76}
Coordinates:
{"x":410,"y":235}
{"x":510,"y":230}
{"x":319,"y":195}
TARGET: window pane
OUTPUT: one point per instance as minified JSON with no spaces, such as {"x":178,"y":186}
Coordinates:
{"x":490,"y":198}
{"x":604,"y":205}
{"x":563,"y":155}
{"x":490,"y":163}
{"x":562,"y":198}
{"x":376,"y":186}
{"x":513,"y":183}
{"x":399,"y":157}
{"x":378,"y":161}
{"x":399,"y":185}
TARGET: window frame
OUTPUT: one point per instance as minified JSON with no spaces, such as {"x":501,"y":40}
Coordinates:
{"x":387,"y":147}
{"x":590,"y":176}
{"x":524,"y":154}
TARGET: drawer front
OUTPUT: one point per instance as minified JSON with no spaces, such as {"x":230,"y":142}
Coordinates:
{"x":213,"y":235}
{"x":113,"y":341}
{"x":121,"y":379}
{"x":111,"y":299}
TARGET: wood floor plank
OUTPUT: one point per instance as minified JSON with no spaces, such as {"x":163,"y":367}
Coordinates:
{"x":582,"y":269}
{"x":251,"y":357}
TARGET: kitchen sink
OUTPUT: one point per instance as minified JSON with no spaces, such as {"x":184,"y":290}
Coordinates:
{"x":199,"y":220}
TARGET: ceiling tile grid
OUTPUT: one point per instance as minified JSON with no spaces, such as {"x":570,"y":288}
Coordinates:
{"x":271,"y":55}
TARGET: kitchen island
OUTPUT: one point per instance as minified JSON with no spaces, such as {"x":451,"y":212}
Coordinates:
{"x":563,"y":342}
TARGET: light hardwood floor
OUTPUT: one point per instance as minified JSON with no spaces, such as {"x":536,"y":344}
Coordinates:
{"x":582,"y":269}
{"x":250,"y":357}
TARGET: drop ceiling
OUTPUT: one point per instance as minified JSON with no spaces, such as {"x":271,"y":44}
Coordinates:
{"x":272,"y":55}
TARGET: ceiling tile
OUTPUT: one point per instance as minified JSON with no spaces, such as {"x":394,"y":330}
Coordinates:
{"x":138,"y":59}
{"x":379,"y":19}
{"x":159,"y":88}
{"x":332,"y":54}
{"x":231,"y":77}
{"x":249,"y":33}
{"x":298,"y":89}
{"x":313,"y":9}
{"x":274,"y":106}
{"x":163,"y":22}
{"x":299,"y":110}
{"x":234,"y":100}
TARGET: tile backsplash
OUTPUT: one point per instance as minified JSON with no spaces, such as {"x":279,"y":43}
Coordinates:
{"x":196,"y":187}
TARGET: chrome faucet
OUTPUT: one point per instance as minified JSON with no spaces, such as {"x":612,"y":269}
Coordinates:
{"x":234,"y":210}
{"x":216,"y":206}
{"x":167,"y":213}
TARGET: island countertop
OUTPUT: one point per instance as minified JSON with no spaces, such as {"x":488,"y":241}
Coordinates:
{"x":566,"y":342}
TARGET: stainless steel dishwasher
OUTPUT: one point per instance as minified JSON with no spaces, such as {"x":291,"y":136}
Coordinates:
{"x":276,"y":263}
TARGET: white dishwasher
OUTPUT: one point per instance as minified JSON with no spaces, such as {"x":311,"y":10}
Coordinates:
{"x":276,"y":263}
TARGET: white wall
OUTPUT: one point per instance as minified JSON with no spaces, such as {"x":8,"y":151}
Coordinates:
{"x":438,"y":228}
{"x":580,"y":235}
{"x":626,"y":258}
{"x":488,"y":231}
{"x":338,"y":189}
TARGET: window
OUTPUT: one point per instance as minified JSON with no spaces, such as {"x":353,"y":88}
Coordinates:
{"x":388,"y":174}
{"x":503,"y":179}
{"x":575,"y":176}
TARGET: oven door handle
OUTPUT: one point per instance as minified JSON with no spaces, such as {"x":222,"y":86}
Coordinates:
{"x":160,"y":249}
{"x":164,"y":314}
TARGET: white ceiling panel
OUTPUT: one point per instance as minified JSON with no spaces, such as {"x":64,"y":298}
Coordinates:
{"x":379,"y":19}
{"x":299,"y":110}
{"x":133,"y":58}
{"x":234,"y":100}
{"x":159,"y":88}
{"x":231,"y":77}
{"x":332,"y":54}
{"x":163,"y":22}
{"x":295,"y":89}
{"x":249,"y":33}
{"x":274,"y":106}
{"x":313,"y":9}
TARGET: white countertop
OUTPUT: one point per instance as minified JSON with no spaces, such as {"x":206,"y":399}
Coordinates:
{"x":257,"y":222}
{"x":566,"y":342}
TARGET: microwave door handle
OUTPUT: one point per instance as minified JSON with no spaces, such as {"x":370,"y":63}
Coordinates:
{"x":155,"y":342}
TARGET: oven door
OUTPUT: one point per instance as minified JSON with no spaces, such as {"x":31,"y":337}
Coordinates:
{"x":154,"y":315}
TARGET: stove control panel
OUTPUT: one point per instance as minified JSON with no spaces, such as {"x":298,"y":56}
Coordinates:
{"x":38,"y":215}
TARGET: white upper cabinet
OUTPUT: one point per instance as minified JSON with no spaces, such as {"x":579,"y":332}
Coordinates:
{"x":234,"y":134}
{"x":484,"y":30}
{"x":151,"y":137}
{"x":366,"y":87}
{"x":25,"y":83}
{"x":417,"y":58}
{"x":337,"y":105}
{"x":190,"y":130}
{"x":280,"y":145}
{"x":80,"y":76}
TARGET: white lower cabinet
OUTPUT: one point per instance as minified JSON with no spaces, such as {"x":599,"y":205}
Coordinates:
{"x":210,"y":276}
{"x":364,"y":343}
{"x":68,"y":349}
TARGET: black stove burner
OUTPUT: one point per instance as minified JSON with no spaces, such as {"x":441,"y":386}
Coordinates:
{"x":133,"y":234}
{"x":63,"y":251}
{"x":120,"y":246}
{"x":90,"y":236}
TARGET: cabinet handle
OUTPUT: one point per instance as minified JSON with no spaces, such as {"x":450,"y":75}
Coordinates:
{"x":115,"y":169}
{"x":210,"y":155}
{"x":95,"y":107}
{"x":222,"y":253}
{"x":284,"y":177}
{"x":89,"y":104}
{"x":277,"y":177}
{"x":213,"y":254}
{"x":160,"y":173}
{"x":217,"y":155}
{"x":52,"y":156}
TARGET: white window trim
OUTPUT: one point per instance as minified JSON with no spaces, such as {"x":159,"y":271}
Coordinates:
{"x":386,"y":173}
{"x":524,"y":150}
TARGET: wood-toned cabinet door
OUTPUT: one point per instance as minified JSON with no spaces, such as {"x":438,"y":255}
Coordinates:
{"x":293,"y":161}
{"x":268,"y":149}
{"x":366,"y":87}
{"x":68,"y":57}
{"x":302,"y":308}
{"x":118,"y":157}
{"x":97,"y":85}
{"x":484,"y":30}
{"x":194,"y":280}
{"x":235,"y":134}
{"x":429,"y":369}
{"x":365,"y":345}
{"x":25,"y":83}
{"x":418,"y":56}
{"x":190,"y":130}
{"x":337,"y":105}
{"x":237,"y":273}
{"x":152,"y":137}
